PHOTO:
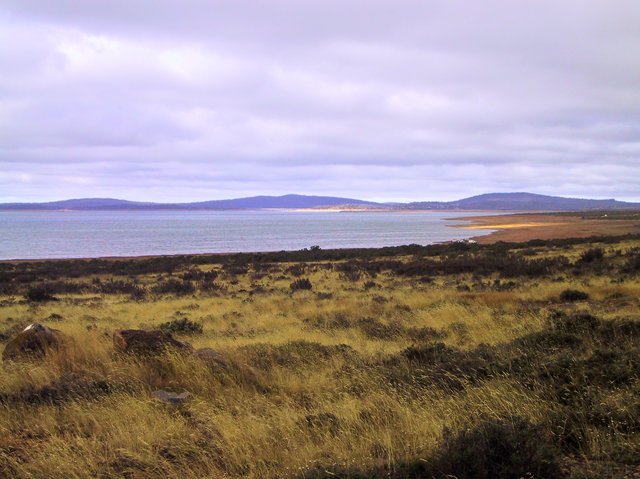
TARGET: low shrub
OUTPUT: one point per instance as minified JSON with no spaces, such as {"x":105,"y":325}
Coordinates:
{"x":632,"y":265}
{"x":425,"y":334}
{"x":174,"y":286}
{"x":210,"y":286}
{"x":349,"y":271}
{"x":375,"y":329}
{"x":592,"y":254}
{"x":69,"y":387}
{"x":569,"y":430}
{"x":620,"y":331}
{"x":194,"y":274}
{"x":439,"y":365}
{"x":323,"y":424}
{"x":548,"y":341}
{"x":138,"y":293}
{"x":497,"y":449}
{"x":39,"y":294}
{"x":232,"y":269}
{"x":578,"y":383}
{"x":181,"y":326}
{"x":575,"y":323}
{"x":324,"y":295}
{"x":296,"y":270}
{"x":65,"y":287}
{"x":573,"y":295}
{"x":431,"y":354}
{"x":460,"y":330}
{"x":338,"y":320}
{"x":294,"y":354}
{"x":300,"y":284}
{"x":117,"y":286}
{"x":509,"y":448}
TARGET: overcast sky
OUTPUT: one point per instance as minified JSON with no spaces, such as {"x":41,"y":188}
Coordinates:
{"x":180,"y":100}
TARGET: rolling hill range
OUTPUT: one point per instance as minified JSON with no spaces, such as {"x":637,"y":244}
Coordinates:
{"x":254,"y":202}
{"x":490,"y":202}
{"x":523,"y":202}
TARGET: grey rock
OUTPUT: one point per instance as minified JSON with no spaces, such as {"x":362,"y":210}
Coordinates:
{"x":33,"y":342}
{"x":172,"y":398}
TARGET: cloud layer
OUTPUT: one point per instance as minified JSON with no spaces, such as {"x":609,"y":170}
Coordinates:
{"x":408,"y":100}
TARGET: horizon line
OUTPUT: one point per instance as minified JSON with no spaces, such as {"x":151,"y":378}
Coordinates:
{"x":382,"y":202}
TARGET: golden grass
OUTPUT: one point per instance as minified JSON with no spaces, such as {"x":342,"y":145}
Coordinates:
{"x":263,"y":426}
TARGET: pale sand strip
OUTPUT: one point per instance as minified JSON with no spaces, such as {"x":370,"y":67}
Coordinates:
{"x":525,"y":227}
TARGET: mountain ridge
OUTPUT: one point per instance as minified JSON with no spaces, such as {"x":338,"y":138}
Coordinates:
{"x":517,"y":201}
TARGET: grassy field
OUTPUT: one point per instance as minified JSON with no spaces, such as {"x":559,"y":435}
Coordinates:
{"x":468,"y":361}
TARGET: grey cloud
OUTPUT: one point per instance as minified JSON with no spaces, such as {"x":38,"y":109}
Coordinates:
{"x":389,"y":101}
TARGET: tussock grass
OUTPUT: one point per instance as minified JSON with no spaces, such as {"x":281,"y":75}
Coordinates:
{"x":390,"y":379}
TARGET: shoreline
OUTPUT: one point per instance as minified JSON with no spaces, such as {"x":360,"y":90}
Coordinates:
{"x":516,"y":228}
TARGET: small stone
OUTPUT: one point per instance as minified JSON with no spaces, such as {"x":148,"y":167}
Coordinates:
{"x":213,"y":359}
{"x":172,"y":398}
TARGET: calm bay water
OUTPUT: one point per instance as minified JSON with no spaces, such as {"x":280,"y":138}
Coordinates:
{"x":75,"y":234}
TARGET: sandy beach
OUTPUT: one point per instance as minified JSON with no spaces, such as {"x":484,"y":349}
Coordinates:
{"x":524,"y":227}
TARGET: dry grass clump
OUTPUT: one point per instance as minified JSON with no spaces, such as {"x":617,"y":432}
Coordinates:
{"x":374,"y":372}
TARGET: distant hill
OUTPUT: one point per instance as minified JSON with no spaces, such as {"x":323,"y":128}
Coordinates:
{"x":81,"y":204}
{"x":286,"y":201}
{"x":490,"y":201}
{"x":523,"y":202}
{"x":254,"y":202}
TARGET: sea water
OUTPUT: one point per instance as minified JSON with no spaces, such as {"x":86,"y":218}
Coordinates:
{"x":83,"y":234}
